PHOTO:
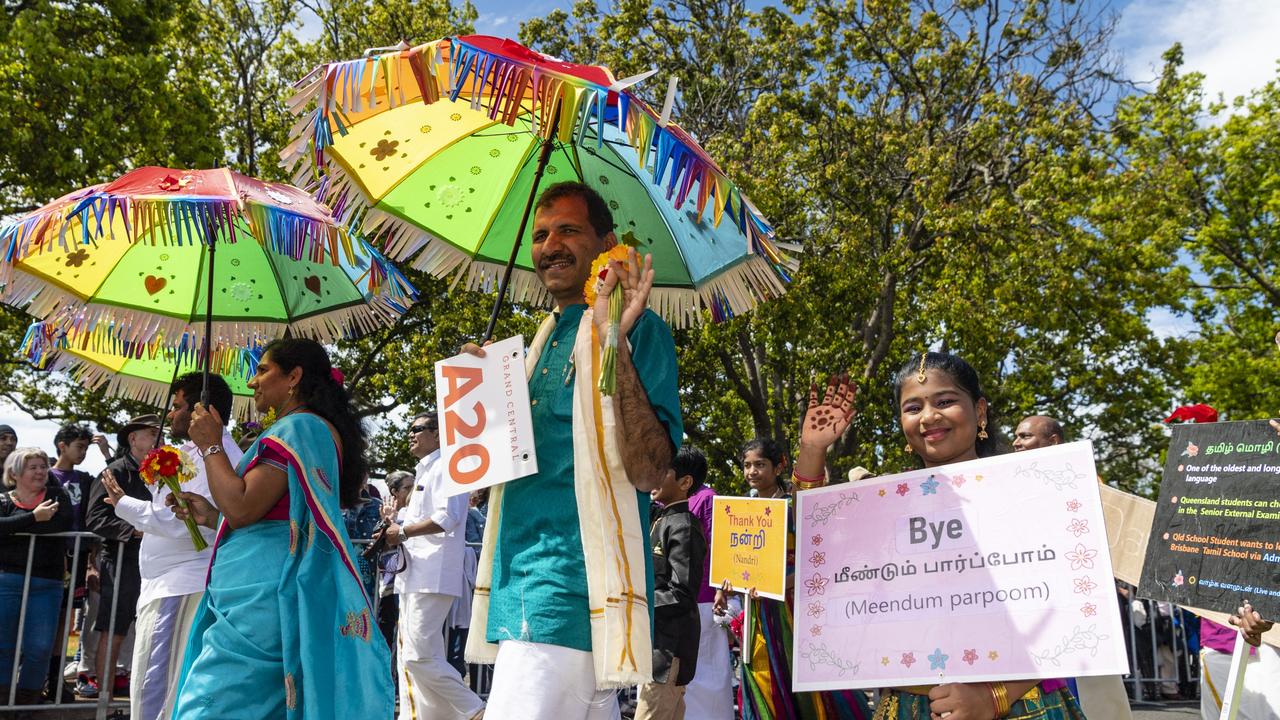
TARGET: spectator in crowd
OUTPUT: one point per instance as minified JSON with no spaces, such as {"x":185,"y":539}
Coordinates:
{"x":709,"y":696}
{"x":33,"y":505}
{"x":679,"y":548}
{"x":71,"y":443}
{"x":432,"y":532}
{"x":118,"y":560}
{"x":361,"y":521}
{"x":1037,"y":431}
{"x":8,"y":441}
{"x":391,"y":563}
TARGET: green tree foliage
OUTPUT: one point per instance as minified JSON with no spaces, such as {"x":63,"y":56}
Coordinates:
{"x":945,"y":170}
{"x":971,"y":176}
{"x":1216,"y":170}
{"x":93,"y":89}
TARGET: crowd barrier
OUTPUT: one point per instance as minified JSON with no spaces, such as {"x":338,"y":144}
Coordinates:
{"x":78,"y":543}
{"x":1164,"y":665}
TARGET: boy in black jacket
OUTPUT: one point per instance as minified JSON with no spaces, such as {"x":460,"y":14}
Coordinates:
{"x":678,"y":549}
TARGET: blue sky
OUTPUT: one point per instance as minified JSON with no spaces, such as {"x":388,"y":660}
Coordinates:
{"x":1231,"y":41}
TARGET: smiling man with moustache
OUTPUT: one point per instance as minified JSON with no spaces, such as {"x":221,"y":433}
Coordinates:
{"x":569,"y":628}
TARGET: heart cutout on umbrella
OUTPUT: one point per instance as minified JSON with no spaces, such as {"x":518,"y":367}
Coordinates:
{"x":154,"y":284}
{"x":313,"y":284}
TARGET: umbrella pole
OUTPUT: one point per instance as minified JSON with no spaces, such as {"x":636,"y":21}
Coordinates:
{"x":208,"y":326}
{"x":165,"y":407}
{"x":547,"y":146}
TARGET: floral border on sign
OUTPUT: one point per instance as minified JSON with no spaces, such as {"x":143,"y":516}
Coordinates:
{"x":820,"y":655}
{"x":822,"y":513}
{"x":1086,"y":639}
{"x":1062,"y":479}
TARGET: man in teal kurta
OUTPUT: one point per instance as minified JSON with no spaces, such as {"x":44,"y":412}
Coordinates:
{"x":538,"y":608}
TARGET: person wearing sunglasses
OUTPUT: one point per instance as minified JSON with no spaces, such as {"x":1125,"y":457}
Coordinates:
{"x":431,"y":530}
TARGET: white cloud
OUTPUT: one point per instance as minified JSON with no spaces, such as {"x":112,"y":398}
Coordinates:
{"x":1233,"y":42}
{"x":491,"y":24}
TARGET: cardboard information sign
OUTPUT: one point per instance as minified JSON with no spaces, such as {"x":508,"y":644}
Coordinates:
{"x":993,"y":569}
{"x":486,"y":427}
{"x":749,"y":545}
{"x":1215,"y":540}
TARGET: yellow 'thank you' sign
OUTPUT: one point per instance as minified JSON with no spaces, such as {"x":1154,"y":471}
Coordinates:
{"x":749,"y":545}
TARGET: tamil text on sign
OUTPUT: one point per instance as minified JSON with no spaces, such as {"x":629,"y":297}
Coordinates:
{"x":993,"y":569}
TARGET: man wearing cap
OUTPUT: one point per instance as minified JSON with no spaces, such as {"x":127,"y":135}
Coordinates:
{"x":118,"y":562}
{"x":8,"y":441}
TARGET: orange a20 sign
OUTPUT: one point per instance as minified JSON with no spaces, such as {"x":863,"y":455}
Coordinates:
{"x":486,"y":428}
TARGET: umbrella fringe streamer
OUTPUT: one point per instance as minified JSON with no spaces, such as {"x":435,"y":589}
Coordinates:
{"x":172,"y":221}
{"x":732,"y":292}
{"x":507,"y":88}
{"x":125,"y":327}
{"x":48,"y":347}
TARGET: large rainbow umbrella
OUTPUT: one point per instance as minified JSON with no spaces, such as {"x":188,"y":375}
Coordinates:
{"x":149,"y":255}
{"x":138,"y":371}
{"x":440,"y":149}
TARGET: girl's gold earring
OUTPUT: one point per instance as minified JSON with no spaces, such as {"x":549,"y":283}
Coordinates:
{"x":982,"y":430}
{"x":907,"y":449}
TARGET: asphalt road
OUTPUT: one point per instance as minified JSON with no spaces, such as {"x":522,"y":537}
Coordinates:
{"x":1184,"y":711}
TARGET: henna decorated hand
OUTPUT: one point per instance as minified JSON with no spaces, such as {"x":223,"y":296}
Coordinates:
{"x":825,"y":422}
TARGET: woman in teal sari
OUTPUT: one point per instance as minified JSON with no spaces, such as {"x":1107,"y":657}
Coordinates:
{"x":285,"y":629}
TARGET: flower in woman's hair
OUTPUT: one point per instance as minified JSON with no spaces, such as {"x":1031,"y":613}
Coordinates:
{"x":267,"y":420}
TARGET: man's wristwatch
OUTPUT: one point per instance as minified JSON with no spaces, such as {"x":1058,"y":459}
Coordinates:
{"x":212,"y":450}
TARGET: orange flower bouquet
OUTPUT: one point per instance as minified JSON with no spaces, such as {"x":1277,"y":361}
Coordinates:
{"x":608,"y":382}
{"x":171,"y":466}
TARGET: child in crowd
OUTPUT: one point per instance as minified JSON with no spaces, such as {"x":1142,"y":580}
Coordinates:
{"x":678,"y":550}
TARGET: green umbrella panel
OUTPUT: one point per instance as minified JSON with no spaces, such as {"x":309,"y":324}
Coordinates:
{"x":150,"y":289}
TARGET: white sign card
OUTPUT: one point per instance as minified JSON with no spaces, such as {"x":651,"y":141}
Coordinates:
{"x":486,"y":426}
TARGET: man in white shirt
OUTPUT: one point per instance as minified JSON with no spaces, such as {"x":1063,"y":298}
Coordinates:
{"x":432,"y":530}
{"x":173,"y":572}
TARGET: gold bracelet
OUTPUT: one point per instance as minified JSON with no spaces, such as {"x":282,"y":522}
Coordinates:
{"x":1001,"y":695}
{"x":806,"y":483}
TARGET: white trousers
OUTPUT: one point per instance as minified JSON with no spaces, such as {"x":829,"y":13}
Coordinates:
{"x":537,"y":681}
{"x":1260,"y":699}
{"x":709,"y":696}
{"x":162,"y":628}
{"x":430,"y":688}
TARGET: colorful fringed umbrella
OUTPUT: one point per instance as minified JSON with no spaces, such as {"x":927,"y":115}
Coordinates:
{"x":440,"y":150}
{"x":138,"y":371}
{"x":150,"y":253}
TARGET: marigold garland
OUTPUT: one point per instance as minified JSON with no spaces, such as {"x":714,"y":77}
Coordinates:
{"x":608,"y":381}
